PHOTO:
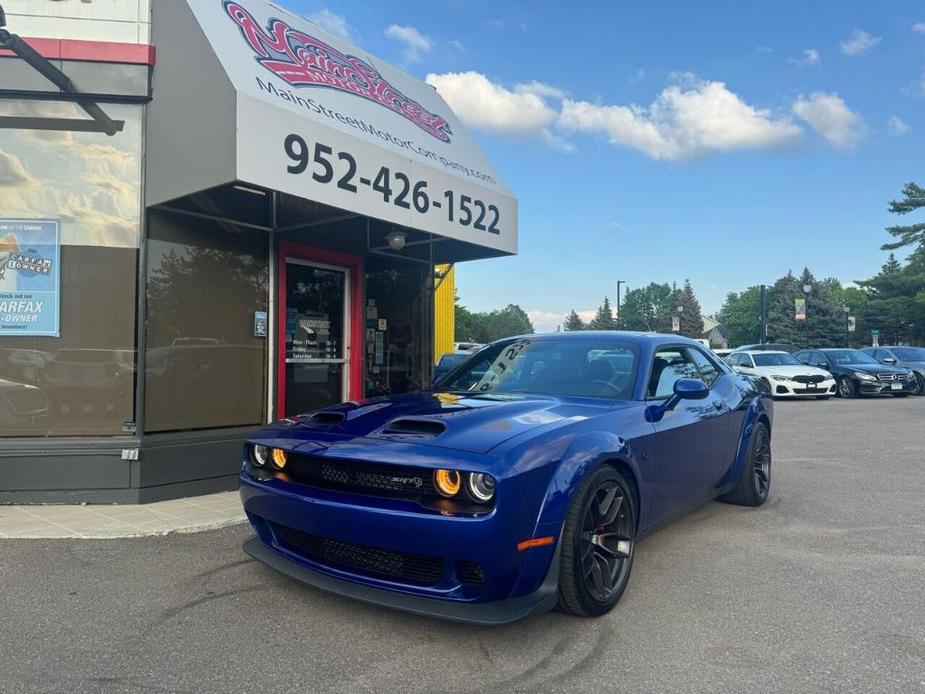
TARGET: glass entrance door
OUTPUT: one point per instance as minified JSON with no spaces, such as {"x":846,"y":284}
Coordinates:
{"x":317,"y":335}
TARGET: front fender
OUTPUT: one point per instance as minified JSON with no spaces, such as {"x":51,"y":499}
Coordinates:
{"x":583,"y":455}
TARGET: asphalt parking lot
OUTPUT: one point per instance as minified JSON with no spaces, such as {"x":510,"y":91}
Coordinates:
{"x":822,"y":589}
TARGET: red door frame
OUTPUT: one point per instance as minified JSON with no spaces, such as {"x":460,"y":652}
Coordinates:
{"x":355,"y":357}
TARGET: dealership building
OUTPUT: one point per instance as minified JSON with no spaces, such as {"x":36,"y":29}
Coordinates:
{"x":213,"y":214}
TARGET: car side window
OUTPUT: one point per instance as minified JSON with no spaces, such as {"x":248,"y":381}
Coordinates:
{"x":818,"y":358}
{"x":733,"y":359}
{"x":668,"y":366}
{"x":708,"y":371}
{"x":801,"y":357}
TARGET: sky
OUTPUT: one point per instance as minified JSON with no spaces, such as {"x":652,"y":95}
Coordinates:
{"x":723,"y":142}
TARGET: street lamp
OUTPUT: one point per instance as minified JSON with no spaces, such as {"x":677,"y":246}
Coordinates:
{"x":619,"y":282}
{"x":847,"y":326}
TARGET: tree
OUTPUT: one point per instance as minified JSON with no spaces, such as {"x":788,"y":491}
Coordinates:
{"x":912,"y":234}
{"x":782,"y":325}
{"x":740,"y":315}
{"x":690,"y":318}
{"x":648,"y":309}
{"x":573,"y":322}
{"x":603,"y":319}
{"x":483,"y":327}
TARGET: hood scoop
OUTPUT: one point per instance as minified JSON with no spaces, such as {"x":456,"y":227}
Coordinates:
{"x":415,"y":427}
{"x":324,"y":419}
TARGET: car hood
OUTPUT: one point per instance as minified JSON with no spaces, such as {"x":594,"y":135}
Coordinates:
{"x":791,"y":370}
{"x":460,"y":421}
{"x":873,"y":368}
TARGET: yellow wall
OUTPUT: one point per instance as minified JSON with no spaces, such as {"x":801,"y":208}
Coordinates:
{"x":445,"y":312}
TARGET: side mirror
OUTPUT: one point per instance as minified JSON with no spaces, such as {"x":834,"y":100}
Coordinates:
{"x":684,"y":389}
{"x":889,"y":360}
{"x":690,"y":389}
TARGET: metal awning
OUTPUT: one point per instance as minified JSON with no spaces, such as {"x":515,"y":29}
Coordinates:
{"x":245,"y":92}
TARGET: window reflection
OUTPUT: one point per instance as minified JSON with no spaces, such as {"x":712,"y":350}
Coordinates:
{"x":81,"y":383}
{"x":204,"y":366}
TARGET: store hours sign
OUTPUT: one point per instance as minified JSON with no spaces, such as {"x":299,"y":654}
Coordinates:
{"x":30,"y":252}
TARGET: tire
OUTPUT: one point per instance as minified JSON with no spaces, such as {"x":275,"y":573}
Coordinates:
{"x":846,"y":388}
{"x":919,"y":387}
{"x":754,"y":483}
{"x":593,"y":575}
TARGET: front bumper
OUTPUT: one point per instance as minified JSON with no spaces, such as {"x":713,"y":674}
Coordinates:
{"x":883,"y":387}
{"x":489,"y":614}
{"x":360,"y":546}
{"x":794,"y":389}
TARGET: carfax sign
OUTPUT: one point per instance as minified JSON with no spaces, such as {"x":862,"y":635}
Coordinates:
{"x":29,"y":277}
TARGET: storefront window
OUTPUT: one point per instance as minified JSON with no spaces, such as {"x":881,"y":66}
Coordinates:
{"x":205,"y":366}
{"x":70,"y":207}
{"x":396,"y":326}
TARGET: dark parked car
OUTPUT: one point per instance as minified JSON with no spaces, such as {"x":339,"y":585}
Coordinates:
{"x":521,"y":484}
{"x":768,"y":347}
{"x":912,"y":358}
{"x":858,"y":373}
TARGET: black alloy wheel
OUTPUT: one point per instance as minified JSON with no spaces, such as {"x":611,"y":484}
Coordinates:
{"x":598,"y":544}
{"x":846,"y":387}
{"x":918,"y":385}
{"x":754,"y":484}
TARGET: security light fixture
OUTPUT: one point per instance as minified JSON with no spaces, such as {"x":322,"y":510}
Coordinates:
{"x":396,"y":240}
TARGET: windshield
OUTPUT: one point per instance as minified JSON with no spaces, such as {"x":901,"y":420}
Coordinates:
{"x":909,"y":353}
{"x":773,"y":359}
{"x":849,"y":356}
{"x":580,"y":368}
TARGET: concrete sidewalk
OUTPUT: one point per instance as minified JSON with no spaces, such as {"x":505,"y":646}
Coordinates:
{"x":107,"y":521}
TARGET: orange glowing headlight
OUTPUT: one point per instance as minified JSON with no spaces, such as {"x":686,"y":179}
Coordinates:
{"x":279,"y":458}
{"x":447,"y":482}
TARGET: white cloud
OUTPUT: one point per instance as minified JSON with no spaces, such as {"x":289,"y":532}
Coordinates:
{"x":456,"y":45}
{"x":916,"y":87}
{"x":859,"y":42}
{"x":483,"y":104}
{"x":557,"y":142}
{"x":540,"y":89}
{"x":332,"y":23}
{"x":896,"y":126}
{"x":810,"y":57}
{"x":828,"y":115}
{"x":919,"y":27}
{"x":12,"y":172}
{"x":682,"y":122}
{"x":416,"y":43}
{"x":545,"y":321}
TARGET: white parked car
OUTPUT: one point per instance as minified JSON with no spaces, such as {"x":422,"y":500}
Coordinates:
{"x":785,"y":376}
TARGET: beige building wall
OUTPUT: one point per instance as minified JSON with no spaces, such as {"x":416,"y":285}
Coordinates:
{"x":122,"y":21}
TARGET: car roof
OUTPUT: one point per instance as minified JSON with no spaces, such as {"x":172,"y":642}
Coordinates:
{"x":763,"y":351}
{"x":640,"y":338}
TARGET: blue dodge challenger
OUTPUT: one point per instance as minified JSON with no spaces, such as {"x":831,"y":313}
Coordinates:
{"x":521,"y":482}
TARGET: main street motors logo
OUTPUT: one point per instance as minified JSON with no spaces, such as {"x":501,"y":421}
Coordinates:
{"x":303,"y":61}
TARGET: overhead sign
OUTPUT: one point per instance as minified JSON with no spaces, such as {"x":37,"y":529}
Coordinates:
{"x":799,"y":306}
{"x":319,"y":118}
{"x":29,"y":277}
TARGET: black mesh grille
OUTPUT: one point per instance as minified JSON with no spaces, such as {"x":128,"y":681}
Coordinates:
{"x":470,"y":572}
{"x":809,"y":379}
{"x":416,"y":569}
{"x":366,"y":478}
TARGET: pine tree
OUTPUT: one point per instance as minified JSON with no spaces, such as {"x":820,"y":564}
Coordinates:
{"x":913,"y":234}
{"x":573,"y":322}
{"x":891,"y":266}
{"x":690,"y":318}
{"x":603,"y":319}
{"x":782,"y":325}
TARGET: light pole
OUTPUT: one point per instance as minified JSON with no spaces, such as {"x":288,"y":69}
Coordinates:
{"x":847,"y":326}
{"x":619,"y":282}
{"x":807,"y":288}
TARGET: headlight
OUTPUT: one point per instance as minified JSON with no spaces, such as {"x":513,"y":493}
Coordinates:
{"x":864,"y":377}
{"x":278,"y":458}
{"x":447,"y":482}
{"x":481,"y":487}
{"x":780,"y":378}
{"x":259,"y":455}
{"x":910,"y":376}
